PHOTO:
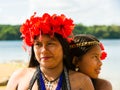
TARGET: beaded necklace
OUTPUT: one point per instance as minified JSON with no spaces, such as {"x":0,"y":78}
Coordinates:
{"x":65,"y":84}
{"x":49,"y":84}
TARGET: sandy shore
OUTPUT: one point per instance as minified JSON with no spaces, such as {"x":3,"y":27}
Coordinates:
{"x":6,"y":69}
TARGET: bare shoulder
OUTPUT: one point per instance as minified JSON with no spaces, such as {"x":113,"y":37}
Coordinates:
{"x":102,"y":84}
{"x":81,"y":80}
{"x":18,"y":76}
{"x":80,"y":76}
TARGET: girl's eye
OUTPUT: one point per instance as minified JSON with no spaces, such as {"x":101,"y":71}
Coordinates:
{"x":97,"y":57}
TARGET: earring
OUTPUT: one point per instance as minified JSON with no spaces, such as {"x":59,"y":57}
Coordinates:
{"x":77,"y":69}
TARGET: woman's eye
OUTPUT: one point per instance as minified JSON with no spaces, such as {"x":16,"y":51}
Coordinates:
{"x":50,"y":43}
{"x":38,"y":44}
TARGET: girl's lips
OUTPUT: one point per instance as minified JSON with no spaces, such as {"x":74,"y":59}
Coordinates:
{"x":98,"y":71}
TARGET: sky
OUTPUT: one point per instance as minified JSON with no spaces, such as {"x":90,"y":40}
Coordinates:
{"x":87,"y":12}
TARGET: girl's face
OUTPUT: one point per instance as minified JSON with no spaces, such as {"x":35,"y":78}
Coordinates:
{"x":91,"y":63}
{"x":48,"y":51}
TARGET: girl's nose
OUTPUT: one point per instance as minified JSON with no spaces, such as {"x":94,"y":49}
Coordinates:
{"x":100,"y":62}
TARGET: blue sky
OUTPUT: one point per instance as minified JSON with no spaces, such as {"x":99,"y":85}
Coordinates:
{"x":87,"y":12}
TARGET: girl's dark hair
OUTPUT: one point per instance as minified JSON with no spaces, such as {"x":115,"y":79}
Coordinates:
{"x":66,"y":53}
{"x":80,"y":51}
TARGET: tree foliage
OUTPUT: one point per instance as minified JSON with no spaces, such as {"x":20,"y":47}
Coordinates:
{"x":11,"y":32}
{"x":100,"y":31}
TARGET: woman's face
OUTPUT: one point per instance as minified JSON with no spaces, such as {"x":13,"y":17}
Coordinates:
{"x":48,"y":51}
{"x":91,"y":63}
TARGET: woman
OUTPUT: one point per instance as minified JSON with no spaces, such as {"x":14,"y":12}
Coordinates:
{"x":88,"y":52}
{"x":49,"y":66}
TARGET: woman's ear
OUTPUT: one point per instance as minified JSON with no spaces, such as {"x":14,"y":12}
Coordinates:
{"x":75,"y":60}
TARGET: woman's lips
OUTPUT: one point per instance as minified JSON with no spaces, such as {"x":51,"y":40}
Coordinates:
{"x":45,"y":58}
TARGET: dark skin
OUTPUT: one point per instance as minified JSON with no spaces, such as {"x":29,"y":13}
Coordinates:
{"x":49,"y":54}
{"x":88,"y":59}
{"x":102,"y":84}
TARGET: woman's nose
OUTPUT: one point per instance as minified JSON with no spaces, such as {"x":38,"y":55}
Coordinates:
{"x":43,"y":48}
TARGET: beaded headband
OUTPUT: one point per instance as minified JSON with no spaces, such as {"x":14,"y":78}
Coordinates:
{"x":47,"y":24}
{"x":103,"y":53}
{"x":84,"y":44}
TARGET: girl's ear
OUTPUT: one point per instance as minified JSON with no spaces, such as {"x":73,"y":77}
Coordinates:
{"x":75,"y":60}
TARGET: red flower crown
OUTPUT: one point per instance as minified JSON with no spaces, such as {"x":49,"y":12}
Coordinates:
{"x":46,"y":25}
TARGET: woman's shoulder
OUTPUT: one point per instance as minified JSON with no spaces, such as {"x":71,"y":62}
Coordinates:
{"x":22,"y":72}
{"x":20,"y":75}
{"x":102,"y":84}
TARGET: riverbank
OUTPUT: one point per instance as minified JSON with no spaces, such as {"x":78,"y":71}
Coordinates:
{"x":6,"y":70}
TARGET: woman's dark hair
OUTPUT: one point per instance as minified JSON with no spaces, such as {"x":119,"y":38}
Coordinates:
{"x":66,"y":53}
{"x":80,"y":51}
{"x":33,"y":62}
